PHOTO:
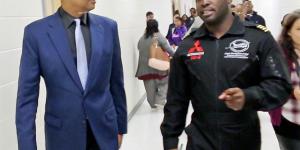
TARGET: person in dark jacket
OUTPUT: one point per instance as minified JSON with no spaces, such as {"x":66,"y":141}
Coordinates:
{"x":252,"y":15}
{"x":191,"y":19}
{"x":229,"y":70}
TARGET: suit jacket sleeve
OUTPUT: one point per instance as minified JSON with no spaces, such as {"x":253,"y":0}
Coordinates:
{"x":28,"y":93}
{"x":117,"y":84}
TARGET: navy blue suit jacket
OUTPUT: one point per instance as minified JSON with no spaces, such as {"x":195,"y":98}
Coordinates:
{"x":46,"y":53}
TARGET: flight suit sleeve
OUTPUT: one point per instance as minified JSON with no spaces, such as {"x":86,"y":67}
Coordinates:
{"x":178,"y":97}
{"x":28,"y":92}
{"x":275,"y":85}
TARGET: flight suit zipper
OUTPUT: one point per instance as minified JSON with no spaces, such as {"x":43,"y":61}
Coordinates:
{"x":216,"y":67}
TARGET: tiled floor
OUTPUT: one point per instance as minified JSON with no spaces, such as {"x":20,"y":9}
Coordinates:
{"x":144,"y":131}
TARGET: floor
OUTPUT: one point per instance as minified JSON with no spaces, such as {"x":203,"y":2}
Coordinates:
{"x":144,"y":131}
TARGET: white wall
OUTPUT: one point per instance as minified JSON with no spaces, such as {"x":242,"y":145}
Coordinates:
{"x":186,"y":5}
{"x":15,"y":15}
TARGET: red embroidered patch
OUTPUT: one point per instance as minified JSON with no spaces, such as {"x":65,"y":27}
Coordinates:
{"x":197,"y":51}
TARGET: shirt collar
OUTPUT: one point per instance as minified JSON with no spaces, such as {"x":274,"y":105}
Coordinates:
{"x":69,"y":20}
{"x":237,"y":28}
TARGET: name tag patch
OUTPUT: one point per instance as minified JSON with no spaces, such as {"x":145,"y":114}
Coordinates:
{"x":238,"y":49}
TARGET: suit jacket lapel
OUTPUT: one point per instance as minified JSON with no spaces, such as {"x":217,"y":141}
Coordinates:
{"x":97,"y":36}
{"x":59,"y":37}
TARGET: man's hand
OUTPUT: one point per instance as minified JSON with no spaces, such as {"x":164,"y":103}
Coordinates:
{"x":120,"y":140}
{"x":234,"y":98}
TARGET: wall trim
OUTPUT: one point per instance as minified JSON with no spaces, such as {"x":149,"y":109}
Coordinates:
{"x":136,"y":107}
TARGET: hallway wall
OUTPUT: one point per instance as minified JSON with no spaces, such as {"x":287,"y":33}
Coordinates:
{"x":186,"y":5}
{"x":14,"y":15}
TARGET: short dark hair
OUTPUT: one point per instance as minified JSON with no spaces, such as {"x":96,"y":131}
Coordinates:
{"x":149,"y":13}
{"x":193,"y":10}
{"x":152,"y":27}
{"x":176,"y":12}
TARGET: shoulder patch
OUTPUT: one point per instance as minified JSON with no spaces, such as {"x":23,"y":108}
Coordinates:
{"x":263,"y":28}
{"x":256,"y":26}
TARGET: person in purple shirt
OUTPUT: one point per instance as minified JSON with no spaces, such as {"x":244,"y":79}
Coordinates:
{"x":178,"y":32}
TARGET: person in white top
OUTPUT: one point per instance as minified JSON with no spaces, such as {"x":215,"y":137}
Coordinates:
{"x":288,"y":128}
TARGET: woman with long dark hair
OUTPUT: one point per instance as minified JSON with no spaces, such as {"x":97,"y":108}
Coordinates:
{"x":287,"y":122}
{"x":155,"y":81}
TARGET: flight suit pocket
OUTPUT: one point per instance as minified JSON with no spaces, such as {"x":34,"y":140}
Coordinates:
{"x":198,"y":68}
{"x":245,"y":76}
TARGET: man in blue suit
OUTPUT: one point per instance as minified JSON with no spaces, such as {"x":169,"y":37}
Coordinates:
{"x":78,"y":55}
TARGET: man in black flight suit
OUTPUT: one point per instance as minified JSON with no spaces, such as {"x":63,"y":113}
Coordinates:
{"x":229,"y":69}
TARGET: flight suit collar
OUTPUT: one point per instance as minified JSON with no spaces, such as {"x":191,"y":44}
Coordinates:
{"x":237,"y":28}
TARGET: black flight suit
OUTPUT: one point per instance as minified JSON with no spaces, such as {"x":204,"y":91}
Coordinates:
{"x":247,"y":57}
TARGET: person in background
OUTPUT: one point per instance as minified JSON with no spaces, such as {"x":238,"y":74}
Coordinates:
{"x":178,"y":33}
{"x":286,"y":121}
{"x":191,"y":19}
{"x":155,"y":81}
{"x":172,"y":27}
{"x":185,"y":19}
{"x":241,"y":11}
{"x":197,"y":23}
{"x":252,"y":15}
{"x":149,"y":15}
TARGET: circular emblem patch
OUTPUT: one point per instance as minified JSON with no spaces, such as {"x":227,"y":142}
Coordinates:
{"x":239,"y":46}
